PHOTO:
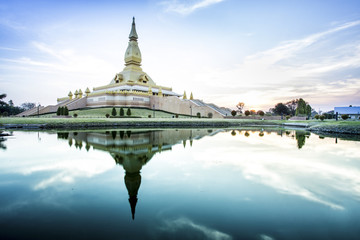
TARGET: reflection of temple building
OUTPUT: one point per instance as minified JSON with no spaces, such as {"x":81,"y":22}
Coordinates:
{"x":133,"y":149}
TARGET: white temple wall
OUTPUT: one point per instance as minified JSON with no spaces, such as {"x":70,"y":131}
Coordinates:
{"x":181,"y":106}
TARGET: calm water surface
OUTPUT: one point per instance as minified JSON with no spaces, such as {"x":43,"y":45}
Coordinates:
{"x":179,"y":184}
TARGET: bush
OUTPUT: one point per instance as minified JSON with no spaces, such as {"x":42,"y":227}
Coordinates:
{"x":66,"y":111}
{"x":62,"y":110}
{"x":247,"y":113}
{"x":322,"y":117}
{"x":58,"y":111}
{"x":75,"y":115}
{"x":261,"y":113}
{"x":198,"y":115}
{"x":317,"y":116}
{"x":344,"y":116}
{"x":122,"y":112}
{"x":128,"y":112}
{"x":233,"y":113}
{"x":113,"y":112}
{"x":149,"y":116}
{"x":107,"y":115}
{"x":5,"y":114}
{"x":288,"y":117}
{"x":177,"y":115}
{"x":210,"y":115}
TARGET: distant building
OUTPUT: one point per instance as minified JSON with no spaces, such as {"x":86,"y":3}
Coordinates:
{"x":353,"y":112}
{"x":132,"y":87}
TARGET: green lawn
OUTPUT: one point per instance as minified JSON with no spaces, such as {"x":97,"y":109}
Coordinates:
{"x":96,"y":116}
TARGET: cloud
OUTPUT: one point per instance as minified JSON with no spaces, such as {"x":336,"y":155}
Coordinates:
{"x":187,"y":7}
{"x":327,"y":61}
{"x":181,"y":224}
{"x":9,"y":49}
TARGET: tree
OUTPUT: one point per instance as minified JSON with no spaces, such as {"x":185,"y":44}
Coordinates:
{"x":62,"y":111}
{"x":233,"y":113}
{"x":128,"y":112}
{"x":28,"y":105}
{"x":66,"y":111}
{"x":308,"y":110}
{"x":261,"y":113}
{"x":301,"y":108}
{"x":198,"y":115}
{"x":11,"y":103}
{"x":252,"y":112}
{"x":240,"y":106}
{"x":247,"y":113}
{"x":292,"y":106}
{"x":58,"y":111}
{"x":344,"y":116}
{"x":322,"y":117}
{"x":281,"y":109}
{"x":2,"y":96}
{"x":113,"y":112}
{"x":121,"y":112}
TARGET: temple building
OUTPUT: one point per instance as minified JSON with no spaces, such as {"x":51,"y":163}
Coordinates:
{"x":132,"y":87}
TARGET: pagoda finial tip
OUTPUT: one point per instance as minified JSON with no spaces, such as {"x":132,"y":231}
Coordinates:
{"x":133,"y":35}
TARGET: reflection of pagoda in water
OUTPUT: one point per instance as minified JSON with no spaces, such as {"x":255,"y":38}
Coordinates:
{"x":133,"y":149}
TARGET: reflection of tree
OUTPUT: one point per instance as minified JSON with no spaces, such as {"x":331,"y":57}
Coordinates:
{"x":2,"y":145}
{"x":300,"y":138}
{"x":3,"y":139}
{"x":247,"y":134}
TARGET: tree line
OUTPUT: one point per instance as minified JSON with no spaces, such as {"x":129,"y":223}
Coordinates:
{"x":295,"y":107}
{"x":9,"y":109}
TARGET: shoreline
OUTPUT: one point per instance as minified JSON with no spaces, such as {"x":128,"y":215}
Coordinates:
{"x":326,"y":127}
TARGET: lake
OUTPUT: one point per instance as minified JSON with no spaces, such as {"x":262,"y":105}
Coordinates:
{"x":179,"y":184}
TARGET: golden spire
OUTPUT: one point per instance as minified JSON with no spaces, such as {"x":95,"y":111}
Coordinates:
{"x":133,"y":54}
{"x":80,"y":93}
{"x":87,"y":91}
{"x":160,"y":93}
{"x":76,"y":93}
{"x":150,"y":91}
{"x":191,"y":96}
{"x":70,"y":95}
{"x":184,"y":97}
{"x":133,"y":35}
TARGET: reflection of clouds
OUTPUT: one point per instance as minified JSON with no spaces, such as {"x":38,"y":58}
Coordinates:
{"x":68,"y":171}
{"x":181,"y":224}
{"x":314,"y":173}
{"x":275,"y":174}
{"x":54,"y":162}
{"x":265,"y":237}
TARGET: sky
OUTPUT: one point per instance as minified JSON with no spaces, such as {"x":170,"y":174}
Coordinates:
{"x":259,"y":52}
